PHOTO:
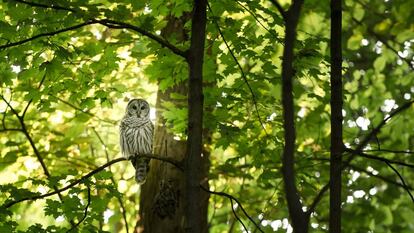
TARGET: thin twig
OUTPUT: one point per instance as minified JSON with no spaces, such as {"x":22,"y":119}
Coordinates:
{"x":85,"y":214}
{"x":121,"y":202}
{"x":33,"y":145}
{"x":256,"y":18}
{"x":391,"y":151}
{"x":240,"y":68}
{"x":29,"y":138}
{"x":236,"y":216}
{"x":121,"y":25}
{"x":387,"y":44}
{"x":53,"y":6}
{"x":176,"y":163}
{"x":378,"y":128}
{"x":317,"y":199}
{"x":279,"y":8}
{"x":234,"y":199}
{"x":360,"y":147}
{"x":402,"y":180}
{"x":83,"y":111}
{"x":365,"y":155}
{"x":383,"y":178}
{"x":45,"y":34}
{"x":31,"y":100}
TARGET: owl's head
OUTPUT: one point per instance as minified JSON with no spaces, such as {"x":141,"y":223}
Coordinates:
{"x":138,"y":108}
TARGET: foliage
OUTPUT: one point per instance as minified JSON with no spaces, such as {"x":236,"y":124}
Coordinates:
{"x":64,"y":92}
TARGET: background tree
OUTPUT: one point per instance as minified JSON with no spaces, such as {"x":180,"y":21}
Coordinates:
{"x":67,"y":70}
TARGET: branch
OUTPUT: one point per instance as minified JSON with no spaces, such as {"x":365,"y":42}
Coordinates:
{"x":76,"y":182}
{"x":30,"y":101}
{"x":364,"y":142}
{"x":176,"y":163}
{"x":83,"y":111}
{"x":106,"y":22}
{"x":377,"y":129}
{"x":8,"y":45}
{"x":279,"y":8}
{"x":85,"y":212}
{"x":238,"y":203}
{"x":256,"y":18}
{"x":402,"y":180}
{"x":383,"y":178}
{"x":87,"y":176}
{"x":241,"y":70}
{"x":29,"y":138}
{"x":365,"y":155}
{"x":391,"y":151}
{"x":32,"y":144}
{"x":317,"y":199}
{"x":53,"y":6}
{"x":385,"y":42}
{"x":236,"y":216}
{"x":121,"y":25}
{"x":121,"y":203}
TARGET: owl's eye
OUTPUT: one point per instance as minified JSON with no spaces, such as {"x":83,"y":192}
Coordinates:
{"x":134,"y":107}
{"x":143,"y":107}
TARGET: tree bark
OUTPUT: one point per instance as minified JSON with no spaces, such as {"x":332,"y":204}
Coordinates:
{"x":336,"y":118}
{"x":300,"y":220}
{"x":191,"y":210}
{"x":193,"y":213}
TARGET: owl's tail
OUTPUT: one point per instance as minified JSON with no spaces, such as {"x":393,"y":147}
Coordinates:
{"x":141,"y":166}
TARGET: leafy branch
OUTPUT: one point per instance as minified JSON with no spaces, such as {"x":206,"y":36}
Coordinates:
{"x":87,"y":176}
{"x":106,"y":22}
{"x":389,"y":164}
{"x":359,"y":149}
{"x":52,"y":6}
{"x":32,"y":144}
{"x":29,"y":138}
{"x":45,"y":34}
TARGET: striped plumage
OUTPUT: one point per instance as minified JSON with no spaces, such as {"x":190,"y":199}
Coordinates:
{"x":136,"y":132}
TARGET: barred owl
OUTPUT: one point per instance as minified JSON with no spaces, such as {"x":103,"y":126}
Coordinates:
{"x":136,"y":130}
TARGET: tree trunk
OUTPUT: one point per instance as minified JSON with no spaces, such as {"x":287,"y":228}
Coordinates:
{"x":169,"y":217}
{"x":193,"y":165}
{"x":300,"y":220}
{"x":336,"y":118}
{"x":161,"y":172}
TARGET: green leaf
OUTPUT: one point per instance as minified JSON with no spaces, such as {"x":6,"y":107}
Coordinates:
{"x":379,"y":63}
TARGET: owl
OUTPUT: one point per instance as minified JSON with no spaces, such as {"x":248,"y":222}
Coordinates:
{"x":136,"y":131}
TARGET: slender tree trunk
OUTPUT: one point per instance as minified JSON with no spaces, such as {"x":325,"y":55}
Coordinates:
{"x":336,"y":118}
{"x":193,"y":166}
{"x":300,"y":220}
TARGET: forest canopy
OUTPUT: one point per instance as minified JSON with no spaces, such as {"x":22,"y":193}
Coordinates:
{"x":270,"y":116}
